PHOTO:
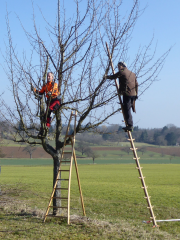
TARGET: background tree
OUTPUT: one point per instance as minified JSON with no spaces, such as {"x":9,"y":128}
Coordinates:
{"x":106,"y":136}
{"x":74,"y":50}
{"x":81,"y":147}
{"x":88,"y":151}
{"x":104,"y":154}
{"x":151,"y":155}
{"x":171,"y":138}
{"x":29,"y":149}
{"x":170,"y":158}
{"x":127,"y":150}
{"x":142,"y":149}
{"x":90,"y":138}
{"x":162,"y":153}
{"x":92,"y":154}
{"x":160,"y":140}
{"x":143,"y":137}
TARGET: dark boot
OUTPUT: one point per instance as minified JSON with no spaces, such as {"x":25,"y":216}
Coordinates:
{"x":128,"y":128}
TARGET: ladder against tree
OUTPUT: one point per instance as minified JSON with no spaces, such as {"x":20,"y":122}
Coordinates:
{"x":136,"y":158}
{"x":64,"y":176}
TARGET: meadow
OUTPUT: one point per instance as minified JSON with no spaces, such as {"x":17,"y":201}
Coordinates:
{"x":113,"y":198}
{"x":105,"y":156}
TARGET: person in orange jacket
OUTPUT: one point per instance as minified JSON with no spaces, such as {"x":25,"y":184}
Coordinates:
{"x":53,"y":98}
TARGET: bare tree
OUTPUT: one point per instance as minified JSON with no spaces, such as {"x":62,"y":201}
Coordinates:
{"x":170,"y":158}
{"x":92,"y":154}
{"x":162,"y":153}
{"x":142,"y":149}
{"x":104,"y":154}
{"x":29,"y":149}
{"x":82,"y":147}
{"x":127,"y":150}
{"x":75,"y":52}
{"x":151,"y":155}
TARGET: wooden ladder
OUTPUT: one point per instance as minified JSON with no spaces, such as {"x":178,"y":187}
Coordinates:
{"x":64,"y":175}
{"x":136,"y":158}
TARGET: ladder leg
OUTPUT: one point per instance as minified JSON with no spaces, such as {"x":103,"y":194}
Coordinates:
{"x":61,"y":170}
{"x":78,"y":179}
{"x":69,"y":191}
{"x":51,"y":198}
{"x":133,"y":147}
{"x":142,"y":180}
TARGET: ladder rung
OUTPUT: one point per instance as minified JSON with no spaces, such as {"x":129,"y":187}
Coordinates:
{"x":141,"y":177}
{"x":69,"y":136}
{"x":139,"y":167}
{"x":133,"y":149}
{"x":131,"y":139}
{"x":62,"y":179}
{"x":147,"y":197}
{"x":145,"y":187}
{"x":137,"y":158}
{"x":150,"y":207}
{"x":153,"y":217}
{"x":61,"y":188}
{"x":51,"y":215}
{"x":57,"y":207}
{"x":60,"y":198}
{"x":68,"y":140}
{"x":62,"y":217}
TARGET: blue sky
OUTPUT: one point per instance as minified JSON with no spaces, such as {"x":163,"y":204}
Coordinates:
{"x":160,"y":104}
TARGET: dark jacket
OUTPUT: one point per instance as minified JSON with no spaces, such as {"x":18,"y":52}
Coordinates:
{"x":128,"y":84}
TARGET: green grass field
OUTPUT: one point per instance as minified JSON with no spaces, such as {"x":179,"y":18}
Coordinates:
{"x":110,"y":158}
{"x":113,"y":198}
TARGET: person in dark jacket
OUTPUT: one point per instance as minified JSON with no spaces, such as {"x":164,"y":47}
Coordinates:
{"x":128,"y":87}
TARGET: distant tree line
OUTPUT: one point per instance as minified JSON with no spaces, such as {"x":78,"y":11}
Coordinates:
{"x":168,"y":135}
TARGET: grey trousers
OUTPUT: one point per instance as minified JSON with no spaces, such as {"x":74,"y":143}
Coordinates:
{"x":127,"y":105}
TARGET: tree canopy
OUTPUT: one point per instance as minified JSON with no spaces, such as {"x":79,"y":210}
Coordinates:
{"x":74,"y":50}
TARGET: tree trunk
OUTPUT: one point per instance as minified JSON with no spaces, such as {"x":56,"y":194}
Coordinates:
{"x":57,"y":194}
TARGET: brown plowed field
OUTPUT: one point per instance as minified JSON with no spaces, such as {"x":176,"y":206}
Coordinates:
{"x":17,"y":152}
{"x":168,"y":150}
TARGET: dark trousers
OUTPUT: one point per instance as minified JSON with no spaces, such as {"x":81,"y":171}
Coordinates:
{"x":127,"y":105}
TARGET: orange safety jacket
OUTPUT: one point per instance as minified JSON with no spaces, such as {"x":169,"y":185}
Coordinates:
{"x":50,"y":87}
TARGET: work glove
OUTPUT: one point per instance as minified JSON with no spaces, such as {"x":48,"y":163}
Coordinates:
{"x":49,"y":94}
{"x":32,"y":88}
